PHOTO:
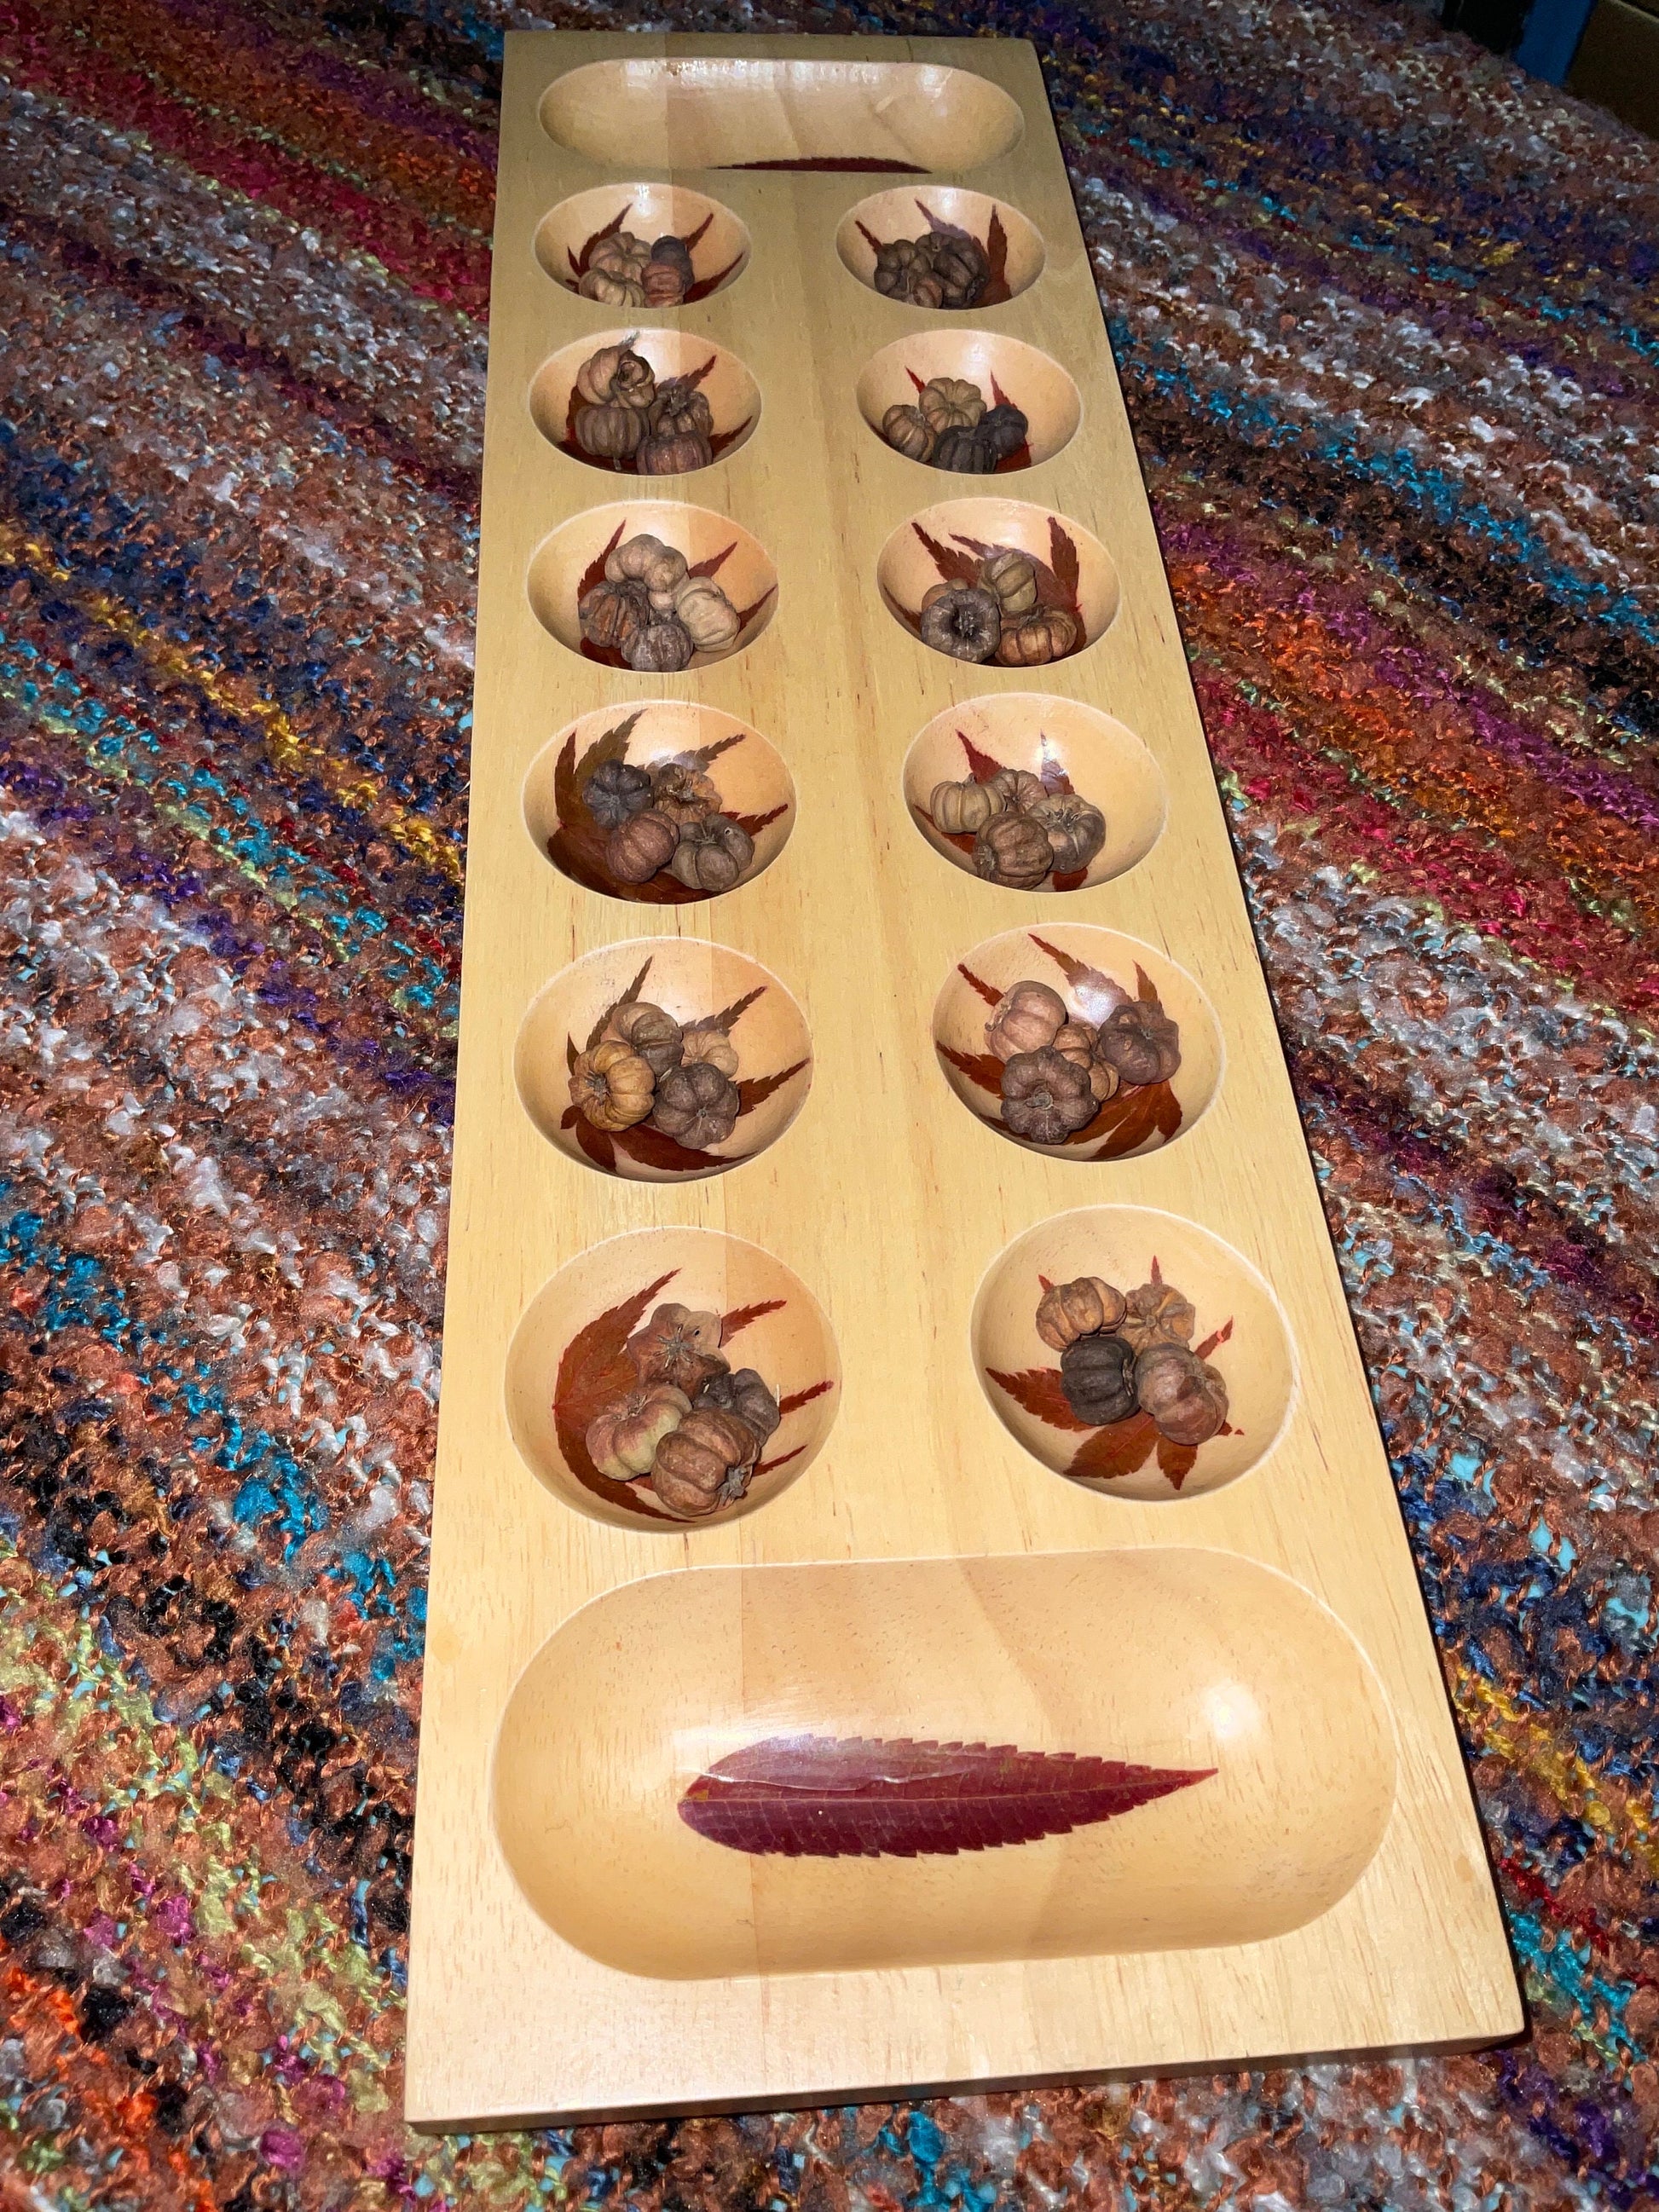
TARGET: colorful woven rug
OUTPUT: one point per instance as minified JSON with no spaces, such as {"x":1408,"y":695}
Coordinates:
{"x":1389,"y":325}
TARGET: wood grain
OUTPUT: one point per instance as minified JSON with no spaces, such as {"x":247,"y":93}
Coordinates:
{"x":891,"y":1204}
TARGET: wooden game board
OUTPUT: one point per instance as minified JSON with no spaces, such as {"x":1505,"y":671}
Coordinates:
{"x":685,"y":1840}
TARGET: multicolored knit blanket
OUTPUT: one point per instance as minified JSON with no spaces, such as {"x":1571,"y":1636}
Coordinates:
{"x":1389,"y":320}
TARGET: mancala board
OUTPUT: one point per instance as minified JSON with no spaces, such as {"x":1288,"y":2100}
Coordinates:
{"x":837,"y":1685}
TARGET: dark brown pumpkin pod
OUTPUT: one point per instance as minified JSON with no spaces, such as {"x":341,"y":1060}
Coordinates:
{"x":1004,"y":430}
{"x":661,"y":648}
{"x":681,"y":409}
{"x":1013,"y":850}
{"x":613,"y":614}
{"x":616,"y":791}
{"x":1045,"y":1097}
{"x":713,"y":853}
{"x":676,"y":254}
{"x":650,"y":1031}
{"x":964,"y":450}
{"x":962,"y":620}
{"x":1097,"y":1373}
{"x":673,"y":453}
{"x":678,"y":1345}
{"x":613,"y":432}
{"x":637,"y":849}
{"x":683,"y":793}
{"x":704,"y":1462}
{"x":1186,"y":1398}
{"x":696,"y":1105}
{"x":961,"y":270}
{"x":1075,"y":829}
{"x":1140,"y":1041}
{"x":904,"y":270}
{"x":745,"y":1394}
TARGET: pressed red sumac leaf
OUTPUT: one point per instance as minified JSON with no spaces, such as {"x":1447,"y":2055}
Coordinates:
{"x":655,"y":1148}
{"x":712,"y":563}
{"x":1070,"y":879}
{"x":996,"y":254}
{"x":1117,"y":1449}
{"x":597,"y":1144}
{"x":703,"y":755}
{"x":570,"y":415}
{"x":869,"y":237}
{"x":580,"y":853}
{"x":612,"y":744}
{"x":953,"y":567}
{"x":912,"y":621}
{"x":1152,"y":1110}
{"x":766,"y":1465}
{"x":626,"y":1000}
{"x":738,"y":1319}
{"x":797,"y":1399}
{"x":693,"y":239}
{"x":919,"y":382}
{"x":1177,"y":1461}
{"x":705,"y":285}
{"x":991,"y":997}
{"x":1062,"y":557}
{"x":580,"y":263}
{"x":728,"y":1017}
{"x":944,"y":229}
{"x":1102,"y":992}
{"x":594,"y":572}
{"x":1038,"y":1390}
{"x":1019,"y":458}
{"x":569,"y":1118}
{"x":1215,"y":1338}
{"x":981,"y":766}
{"x":846,"y":165}
{"x":759,"y":1088}
{"x":746,"y":615}
{"x":571,"y":1056}
{"x":721,"y":439}
{"x":606,"y":655}
{"x":984,"y":1068}
{"x":754,"y":823}
{"x":594,"y":1369}
{"x":830,"y":1797}
{"x":1146,"y":989}
{"x":998,"y":396}
{"x":961,"y":839}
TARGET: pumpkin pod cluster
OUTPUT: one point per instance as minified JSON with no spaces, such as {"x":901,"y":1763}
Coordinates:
{"x":689,"y":1429}
{"x":1059,"y":1069}
{"x":1023,"y":832}
{"x":667,"y":819}
{"x":1001,"y":615}
{"x":650,"y":608}
{"x":1127,"y":1354}
{"x":624,"y":271}
{"x":645,"y":1067}
{"x":950,"y":427}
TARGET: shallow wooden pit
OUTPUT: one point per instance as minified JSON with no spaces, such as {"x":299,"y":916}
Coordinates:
{"x":1240,"y":1330}
{"x":936,"y":547}
{"x":907,"y":211}
{"x":1004,"y":368}
{"x":732,"y":395}
{"x":695,"y":981}
{"x":575,"y":552}
{"x":574,"y":1331}
{"x":720,"y":250}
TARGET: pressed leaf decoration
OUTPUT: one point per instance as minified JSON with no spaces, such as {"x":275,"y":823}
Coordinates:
{"x":830,"y":1797}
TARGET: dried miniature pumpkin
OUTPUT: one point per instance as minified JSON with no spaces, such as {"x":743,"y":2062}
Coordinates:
{"x":1140,"y":1040}
{"x":662,"y":284}
{"x":965,"y":452}
{"x":616,"y":791}
{"x":611,"y":432}
{"x":1156,"y":1314}
{"x":1187,"y":1398}
{"x":1044,"y":1097}
{"x":1075,"y":829}
{"x":1013,"y":851}
{"x":950,"y":402}
{"x":621,"y":1438}
{"x":673,"y":453}
{"x":708,"y":615}
{"x":705,"y":1463}
{"x":612,"y":291}
{"x":906,"y":429}
{"x":960,"y":268}
{"x":683,"y":793}
{"x":1003,"y":430}
{"x":621,"y":254}
{"x":616,"y":373}
{"x":1097,"y":1373}
{"x":962,"y":620}
{"x":714,"y":851}
{"x":663,"y":646}
{"x":611,"y":1086}
{"x":1083,"y":1307}
{"x":651,"y":1031}
{"x":646,"y":559}
{"x":746,"y":1396}
{"x":673,"y":252}
{"x":714,"y":1046}
{"x":904,"y":270}
{"x":681,"y":408}
{"x":1019,"y":789}
{"x":1080,"y":1043}
{"x":1026,"y":1017}
{"x":960,"y":809}
{"x":679,"y":1344}
{"x":637,"y":849}
{"x":614,"y":614}
{"x":1012,"y":576}
{"x":696,"y":1105}
{"x":1048,"y":634}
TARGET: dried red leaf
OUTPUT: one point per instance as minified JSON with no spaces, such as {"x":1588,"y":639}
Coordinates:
{"x":921,"y":382}
{"x":1070,"y":879}
{"x":814,"y":1796}
{"x":1019,"y":458}
{"x":626,"y":1000}
{"x":754,"y":823}
{"x":1038,"y":1390}
{"x":728,"y":1018}
{"x":1175,"y":1461}
{"x":984,"y":1068}
{"x":720,"y":439}
{"x":594,"y":572}
{"x":954,"y":567}
{"x":1216,"y":1338}
{"x":597,"y":1144}
{"x":991,"y":996}
{"x":1099,"y":993}
{"x":944,"y":229}
{"x":740,"y":1317}
{"x":981,"y":766}
{"x":766,"y":1465}
{"x":758,"y":1089}
{"x":655,"y":1148}
{"x":1143,"y":1112}
{"x":746,"y":615}
{"x":869,"y":237}
{"x":713,"y":563}
{"x":1062,"y":555}
{"x":797,"y":1399}
{"x":996,"y":254}
{"x":594,"y":1369}
{"x":703,"y":755}
{"x":705,"y":285}
{"x":693,"y":239}
{"x":961,"y":839}
{"x":1117,"y":1449}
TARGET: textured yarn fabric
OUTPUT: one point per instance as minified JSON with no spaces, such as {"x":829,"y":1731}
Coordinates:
{"x":1389,"y":320}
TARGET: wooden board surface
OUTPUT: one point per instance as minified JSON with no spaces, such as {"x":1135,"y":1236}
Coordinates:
{"x":890,"y":1205}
